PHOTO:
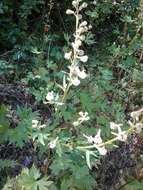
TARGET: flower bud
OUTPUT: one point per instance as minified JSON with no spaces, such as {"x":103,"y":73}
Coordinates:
{"x":83,"y":58}
{"x":74,"y":3}
{"x":84,"y":5}
{"x":69,"y":12}
{"x":84,"y":23}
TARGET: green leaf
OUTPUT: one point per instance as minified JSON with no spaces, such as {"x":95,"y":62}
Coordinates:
{"x":86,"y":100}
{"x":31,"y":179}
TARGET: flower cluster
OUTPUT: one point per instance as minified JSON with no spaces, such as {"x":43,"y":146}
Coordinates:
{"x":83,"y":117}
{"x":77,"y":55}
{"x":120,"y":135}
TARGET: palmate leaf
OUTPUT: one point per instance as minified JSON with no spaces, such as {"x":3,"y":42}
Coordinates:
{"x":40,"y":137}
{"x":44,"y":184}
{"x":11,"y":184}
{"x":6,"y":163}
{"x":81,"y":178}
{"x":30,"y":179}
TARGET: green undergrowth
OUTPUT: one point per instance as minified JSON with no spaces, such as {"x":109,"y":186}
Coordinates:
{"x":34,"y":36}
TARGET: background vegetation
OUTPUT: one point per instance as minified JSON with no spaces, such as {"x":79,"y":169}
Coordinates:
{"x":34,"y":36}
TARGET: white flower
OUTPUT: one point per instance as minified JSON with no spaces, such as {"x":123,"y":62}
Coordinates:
{"x":136,"y":114}
{"x":75,"y":74}
{"x":53,"y":143}
{"x":84,"y":23}
{"x":68,"y":55}
{"x":90,"y":139}
{"x":84,"y":5}
{"x":82,"y":74}
{"x":97,"y":141}
{"x":83,"y":116}
{"x":79,"y":73}
{"x":102,"y":150}
{"x":69,"y":12}
{"x":74,"y":80}
{"x":83,"y":58}
{"x":74,"y":3}
{"x":50,"y":96}
{"x":35,"y":123}
{"x":85,"y":29}
{"x":77,"y":44}
{"x":139,"y":127}
{"x":114,"y":126}
{"x":80,"y":52}
{"x":75,"y":123}
{"x":81,"y":30}
{"x":121,"y":135}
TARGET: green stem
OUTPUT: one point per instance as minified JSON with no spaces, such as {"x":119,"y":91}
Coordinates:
{"x":66,"y":92}
{"x":74,"y":56}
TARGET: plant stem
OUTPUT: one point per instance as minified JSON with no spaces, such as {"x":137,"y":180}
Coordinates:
{"x":66,"y":92}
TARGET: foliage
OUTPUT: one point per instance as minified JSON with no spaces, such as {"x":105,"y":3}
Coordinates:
{"x":133,"y":185}
{"x":35,"y":36}
{"x":20,"y":134}
{"x":31,"y":180}
{"x":7,"y":164}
